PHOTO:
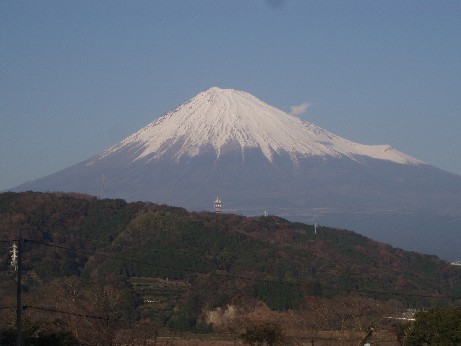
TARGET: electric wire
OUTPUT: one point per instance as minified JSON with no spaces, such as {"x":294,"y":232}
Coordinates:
{"x":301,"y":283}
{"x":136,"y":261}
{"x":228,"y":275}
{"x":67,"y":312}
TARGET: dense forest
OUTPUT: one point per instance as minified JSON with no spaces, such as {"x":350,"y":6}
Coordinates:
{"x":134,"y":270}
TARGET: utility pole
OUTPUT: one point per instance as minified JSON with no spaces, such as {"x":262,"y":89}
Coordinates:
{"x":18,"y":291}
{"x":365,"y":339}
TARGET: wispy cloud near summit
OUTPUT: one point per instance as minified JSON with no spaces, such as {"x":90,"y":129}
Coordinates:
{"x":299,"y":109}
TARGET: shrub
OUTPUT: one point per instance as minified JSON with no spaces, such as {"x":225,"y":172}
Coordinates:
{"x":265,"y":334}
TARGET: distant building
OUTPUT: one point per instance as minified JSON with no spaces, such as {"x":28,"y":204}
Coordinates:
{"x":217,"y":206}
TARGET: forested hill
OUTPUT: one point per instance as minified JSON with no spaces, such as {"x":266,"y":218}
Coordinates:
{"x":215,"y":259}
{"x":177,"y":244}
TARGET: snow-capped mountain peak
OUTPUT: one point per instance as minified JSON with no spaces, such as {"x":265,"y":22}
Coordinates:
{"x":225,"y":117}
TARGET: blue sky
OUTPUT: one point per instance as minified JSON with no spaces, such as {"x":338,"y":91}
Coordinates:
{"x":79,"y":76}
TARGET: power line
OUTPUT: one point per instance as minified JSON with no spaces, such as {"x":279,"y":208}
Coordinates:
{"x":81,"y":239}
{"x":93,"y":253}
{"x":301,"y":283}
{"x":68,"y":313}
{"x":61,"y":235}
{"x":220,"y":273}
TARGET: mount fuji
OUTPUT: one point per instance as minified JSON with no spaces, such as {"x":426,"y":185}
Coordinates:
{"x":257,"y":158}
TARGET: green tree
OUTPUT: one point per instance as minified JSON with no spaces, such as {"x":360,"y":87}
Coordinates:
{"x":436,"y":327}
{"x":265,"y":334}
{"x":278,"y":296}
{"x":34,"y":333}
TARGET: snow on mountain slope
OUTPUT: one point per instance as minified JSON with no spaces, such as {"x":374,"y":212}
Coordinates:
{"x":220,"y":117}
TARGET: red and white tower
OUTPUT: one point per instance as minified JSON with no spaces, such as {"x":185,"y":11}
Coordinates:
{"x":217,"y":206}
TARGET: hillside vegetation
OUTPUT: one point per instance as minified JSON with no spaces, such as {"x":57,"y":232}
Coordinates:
{"x":160,"y":269}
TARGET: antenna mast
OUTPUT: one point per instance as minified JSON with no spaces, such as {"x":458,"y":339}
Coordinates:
{"x":19,"y":290}
{"x":103,"y":191}
{"x":217,"y":206}
{"x":14,"y":257}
